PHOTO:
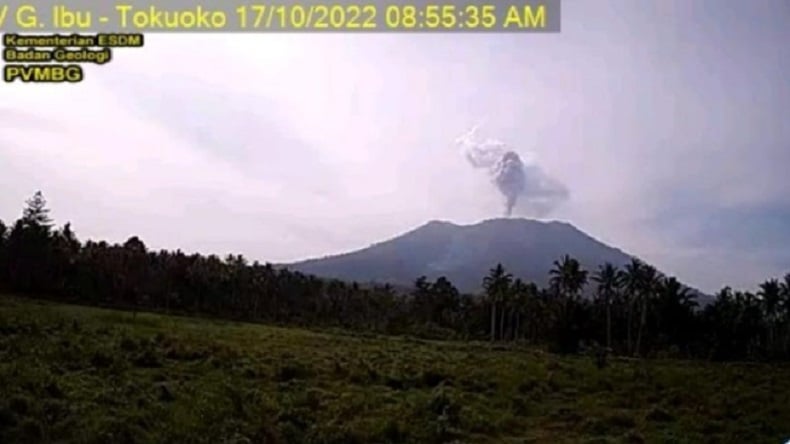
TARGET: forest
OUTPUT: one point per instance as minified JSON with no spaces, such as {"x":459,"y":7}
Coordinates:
{"x":634,"y":311}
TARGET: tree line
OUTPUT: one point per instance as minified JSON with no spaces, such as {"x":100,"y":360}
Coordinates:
{"x":634,"y":310}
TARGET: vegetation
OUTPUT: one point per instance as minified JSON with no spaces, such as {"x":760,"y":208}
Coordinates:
{"x":89,"y":375}
{"x":635,"y":312}
{"x":359,"y":373}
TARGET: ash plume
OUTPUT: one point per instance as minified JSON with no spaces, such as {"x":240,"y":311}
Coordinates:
{"x":517,"y":180}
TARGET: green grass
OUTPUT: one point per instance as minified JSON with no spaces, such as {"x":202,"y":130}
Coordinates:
{"x":76,"y":374}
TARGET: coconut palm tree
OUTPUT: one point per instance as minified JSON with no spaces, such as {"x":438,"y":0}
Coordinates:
{"x":631,"y":279}
{"x":785,"y":312}
{"x":521,"y":296}
{"x":568,"y":277}
{"x":609,"y":282}
{"x":673,"y":311}
{"x":496,"y":286}
{"x":650,"y":280}
{"x":770,"y":294}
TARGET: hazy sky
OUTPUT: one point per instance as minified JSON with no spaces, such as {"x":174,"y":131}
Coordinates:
{"x":669,"y":125}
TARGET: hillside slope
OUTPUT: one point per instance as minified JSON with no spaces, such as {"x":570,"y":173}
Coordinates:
{"x":465,"y":253}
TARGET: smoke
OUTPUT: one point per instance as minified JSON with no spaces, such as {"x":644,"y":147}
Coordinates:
{"x":518,"y":181}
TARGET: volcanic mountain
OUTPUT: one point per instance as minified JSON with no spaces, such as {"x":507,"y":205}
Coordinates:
{"x":465,"y":253}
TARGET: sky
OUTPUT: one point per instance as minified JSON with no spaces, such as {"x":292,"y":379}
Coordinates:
{"x":667,"y":123}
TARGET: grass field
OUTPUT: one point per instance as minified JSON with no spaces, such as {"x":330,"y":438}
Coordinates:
{"x":76,"y":374}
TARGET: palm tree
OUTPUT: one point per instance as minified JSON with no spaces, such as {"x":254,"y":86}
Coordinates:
{"x":770,"y":294}
{"x":785,"y":310}
{"x":496,"y":286}
{"x":749,"y":321}
{"x":649,"y":284}
{"x":446,"y":301}
{"x":521,"y":294}
{"x":568,"y":277}
{"x":609,"y":280}
{"x":675,"y":309}
{"x":631,"y":279}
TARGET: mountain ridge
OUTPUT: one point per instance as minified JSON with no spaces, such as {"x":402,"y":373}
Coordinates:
{"x":465,"y":252}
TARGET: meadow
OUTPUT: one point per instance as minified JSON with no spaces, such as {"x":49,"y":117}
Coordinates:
{"x":72,"y":374}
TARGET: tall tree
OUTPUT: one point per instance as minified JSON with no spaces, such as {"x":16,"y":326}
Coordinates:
{"x":785,"y":310}
{"x":568,"y":277}
{"x":3,"y":235}
{"x":36,"y":212}
{"x":609,"y":281}
{"x":66,"y":249}
{"x":522,"y":296}
{"x":649,"y":280}
{"x":496,"y":285}
{"x":632,"y":281}
{"x":30,"y":248}
{"x":770,"y":294}
{"x":447,"y":299}
{"x":422,"y":300}
{"x":134,"y":261}
{"x":674,"y":311}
